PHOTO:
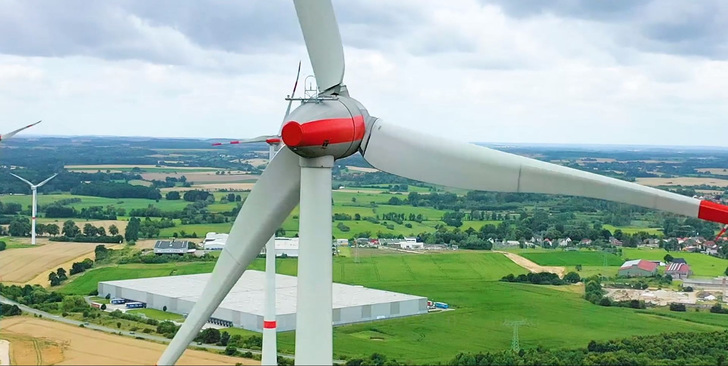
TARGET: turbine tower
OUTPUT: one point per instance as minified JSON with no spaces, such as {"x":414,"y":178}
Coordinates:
{"x":12,"y":133}
{"x":270,"y":343}
{"x":332,"y":125}
{"x":34,"y":188}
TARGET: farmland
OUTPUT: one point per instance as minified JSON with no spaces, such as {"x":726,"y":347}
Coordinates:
{"x":573,"y":258}
{"x":45,"y":342}
{"x":702,"y":265}
{"x":683,"y":181}
{"x":467,"y":280}
{"x":23,"y":264}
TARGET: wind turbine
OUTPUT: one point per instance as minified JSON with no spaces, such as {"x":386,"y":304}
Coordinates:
{"x":34,"y":188}
{"x":270,"y":344}
{"x":333,"y":126}
{"x":12,"y":133}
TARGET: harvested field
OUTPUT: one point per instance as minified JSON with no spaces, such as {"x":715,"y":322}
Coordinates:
{"x":256,"y":162}
{"x":229,"y":186}
{"x":203,"y":177}
{"x":682,"y":181}
{"x":4,"y":352}
{"x":360,"y":169}
{"x":24,"y":264}
{"x":129,"y":166}
{"x":79,"y":346}
{"x":533,"y":267}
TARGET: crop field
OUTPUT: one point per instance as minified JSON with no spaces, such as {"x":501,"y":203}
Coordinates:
{"x":682,"y":181}
{"x":702,"y":265}
{"x":88,"y":201}
{"x":634,"y":229}
{"x":145,"y":168}
{"x":564,"y":258}
{"x":43,"y":342}
{"x":23,"y":264}
{"x":716,"y":171}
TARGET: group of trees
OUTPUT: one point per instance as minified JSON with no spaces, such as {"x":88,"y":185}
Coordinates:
{"x":57,"y":277}
{"x":78,"y":267}
{"x":116,"y":190}
{"x":543,"y":278}
{"x":89,"y":233}
{"x":683,"y":348}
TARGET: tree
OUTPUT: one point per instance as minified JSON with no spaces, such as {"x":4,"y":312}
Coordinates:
{"x":100,"y":231}
{"x":572,"y":277}
{"x":20,"y":226}
{"x":132,"y":229}
{"x":118,"y":324}
{"x":2,"y":246}
{"x":53,"y":278}
{"x":103,"y":306}
{"x":113,"y":230}
{"x":164,"y":308}
{"x":668,"y":258}
{"x":52,"y":229}
{"x":224,"y":338}
{"x":70,"y":229}
{"x":61,"y":274}
{"x":172,"y":195}
{"x":89,"y":230}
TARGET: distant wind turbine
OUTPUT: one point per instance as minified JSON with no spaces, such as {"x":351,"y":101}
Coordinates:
{"x":34,"y":188}
{"x":11,"y":134}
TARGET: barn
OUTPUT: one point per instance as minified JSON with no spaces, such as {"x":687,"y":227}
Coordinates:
{"x":678,"y":270}
{"x":173,"y":247}
{"x":638,"y":268}
{"x":243,"y":306}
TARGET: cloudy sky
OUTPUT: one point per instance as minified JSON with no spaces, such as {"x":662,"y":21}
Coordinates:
{"x":562,"y":71}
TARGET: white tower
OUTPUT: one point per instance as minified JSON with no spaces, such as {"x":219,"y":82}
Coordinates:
{"x":34,"y":209}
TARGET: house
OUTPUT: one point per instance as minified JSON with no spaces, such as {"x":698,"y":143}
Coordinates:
{"x":678,"y":270}
{"x":638,"y":268}
{"x":179,"y":247}
{"x":614,"y":241}
{"x":585,"y":241}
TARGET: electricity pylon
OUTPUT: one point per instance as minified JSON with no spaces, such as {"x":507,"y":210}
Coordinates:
{"x":515,"y":347}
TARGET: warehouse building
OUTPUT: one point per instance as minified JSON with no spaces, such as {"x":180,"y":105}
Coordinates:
{"x":243,"y":306}
{"x":173,"y":247}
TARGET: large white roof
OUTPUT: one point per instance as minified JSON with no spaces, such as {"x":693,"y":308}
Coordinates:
{"x":248,"y":293}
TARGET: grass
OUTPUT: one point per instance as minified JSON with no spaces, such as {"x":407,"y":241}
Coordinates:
{"x":634,"y":229}
{"x":702,"y":265}
{"x":158,"y":314}
{"x":573,"y":258}
{"x":12,"y":244}
{"x":88,"y":282}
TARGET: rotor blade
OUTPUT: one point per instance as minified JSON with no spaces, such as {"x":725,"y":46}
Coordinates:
{"x":46,"y":181}
{"x":274,"y":196}
{"x":264,"y":138}
{"x":323,"y":41}
{"x":21,"y":178}
{"x":11,"y":134}
{"x":422,"y":157}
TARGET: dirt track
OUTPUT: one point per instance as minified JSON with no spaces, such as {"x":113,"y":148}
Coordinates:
{"x":37,"y":341}
{"x":533,"y":267}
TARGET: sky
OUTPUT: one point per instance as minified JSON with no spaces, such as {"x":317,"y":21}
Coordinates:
{"x":529,"y":71}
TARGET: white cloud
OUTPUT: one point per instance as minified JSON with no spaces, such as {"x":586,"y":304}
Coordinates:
{"x":460,"y":69}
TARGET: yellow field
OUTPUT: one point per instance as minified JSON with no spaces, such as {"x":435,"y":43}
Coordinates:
{"x":36,"y":341}
{"x":682,"y":181}
{"x":24,"y":264}
{"x":202,"y":177}
{"x":716,"y":171}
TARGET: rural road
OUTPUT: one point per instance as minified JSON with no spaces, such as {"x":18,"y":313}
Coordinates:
{"x":117,"y":331}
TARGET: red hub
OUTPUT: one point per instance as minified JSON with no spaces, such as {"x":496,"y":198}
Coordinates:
{"x":333,"y":136}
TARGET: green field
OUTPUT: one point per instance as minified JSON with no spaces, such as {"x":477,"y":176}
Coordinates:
{"x":634,"y":229}
{"x":702,"y":265}
{"x":87,"y":282}
{"x":158,"y":314}
{"x":467,"y":280}
{"x":88,"y":201}
{"x":572,"y":258}
{"x":144,"y":169}
{"x":12,"y":244}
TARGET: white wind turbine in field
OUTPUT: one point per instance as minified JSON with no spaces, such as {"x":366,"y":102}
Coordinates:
{"x":333,"y":125}
{"x":12,"y":133}
{"x":34,"y":209}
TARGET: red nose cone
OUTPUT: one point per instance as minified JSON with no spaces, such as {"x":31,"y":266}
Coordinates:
{"x":292,"y":134}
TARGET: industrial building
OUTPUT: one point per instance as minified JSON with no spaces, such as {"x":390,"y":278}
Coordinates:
{"x":214,"y":241}
{"x":243,"y":306}
{"x":173,"y":247}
